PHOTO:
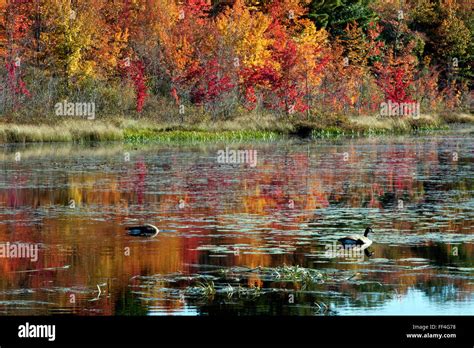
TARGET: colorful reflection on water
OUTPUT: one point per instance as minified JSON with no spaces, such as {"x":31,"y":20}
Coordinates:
{"x":227,"y":229}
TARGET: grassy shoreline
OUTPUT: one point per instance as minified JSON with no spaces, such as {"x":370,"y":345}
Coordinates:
{"x":263,"y":128}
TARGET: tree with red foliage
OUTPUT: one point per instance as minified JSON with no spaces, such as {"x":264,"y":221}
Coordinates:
{"x":15,"y":82}
{"x":198,"y":9}
{"x":260,"y":78}
{"x":135,"y":70}
{"x":286,"y":80}
{"x":17,"y":24}
{"x":395,"y":75}
{"x":212,"y":84}
{"x":393,"y":82}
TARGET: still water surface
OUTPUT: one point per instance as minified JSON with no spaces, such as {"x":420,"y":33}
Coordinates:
{"x":229,"y":232}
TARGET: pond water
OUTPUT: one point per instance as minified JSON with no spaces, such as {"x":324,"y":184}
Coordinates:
{"x":232,"y":234}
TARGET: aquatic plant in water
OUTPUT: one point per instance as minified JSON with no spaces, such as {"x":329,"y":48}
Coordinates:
{"x":299,"y":275}
{"x":207,"y":288}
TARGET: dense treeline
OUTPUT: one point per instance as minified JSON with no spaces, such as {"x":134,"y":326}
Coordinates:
{"x":289,"y":57}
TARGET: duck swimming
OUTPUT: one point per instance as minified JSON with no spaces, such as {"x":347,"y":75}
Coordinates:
{"x":357,"y":240}
{"x":146,"y":230}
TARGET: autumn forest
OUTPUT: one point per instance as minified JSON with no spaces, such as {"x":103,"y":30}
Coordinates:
{"x":193,"y":60}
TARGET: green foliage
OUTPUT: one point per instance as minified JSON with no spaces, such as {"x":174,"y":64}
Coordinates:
{"x":358,"y":12}
{"x":146,"y":135}
{"x":335,"y":14}
{"x":446,"y":34}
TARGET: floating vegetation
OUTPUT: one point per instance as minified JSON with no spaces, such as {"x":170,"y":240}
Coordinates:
{"x":207,"y":288}
{"x":291,"y":288}
{"x":239,"y":291}
{"x":235,"y":283}
{"x":297,"y":274}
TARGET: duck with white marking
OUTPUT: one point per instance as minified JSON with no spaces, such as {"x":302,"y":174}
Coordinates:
{"x":357,"y":240}
{"x":146,"y":230}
